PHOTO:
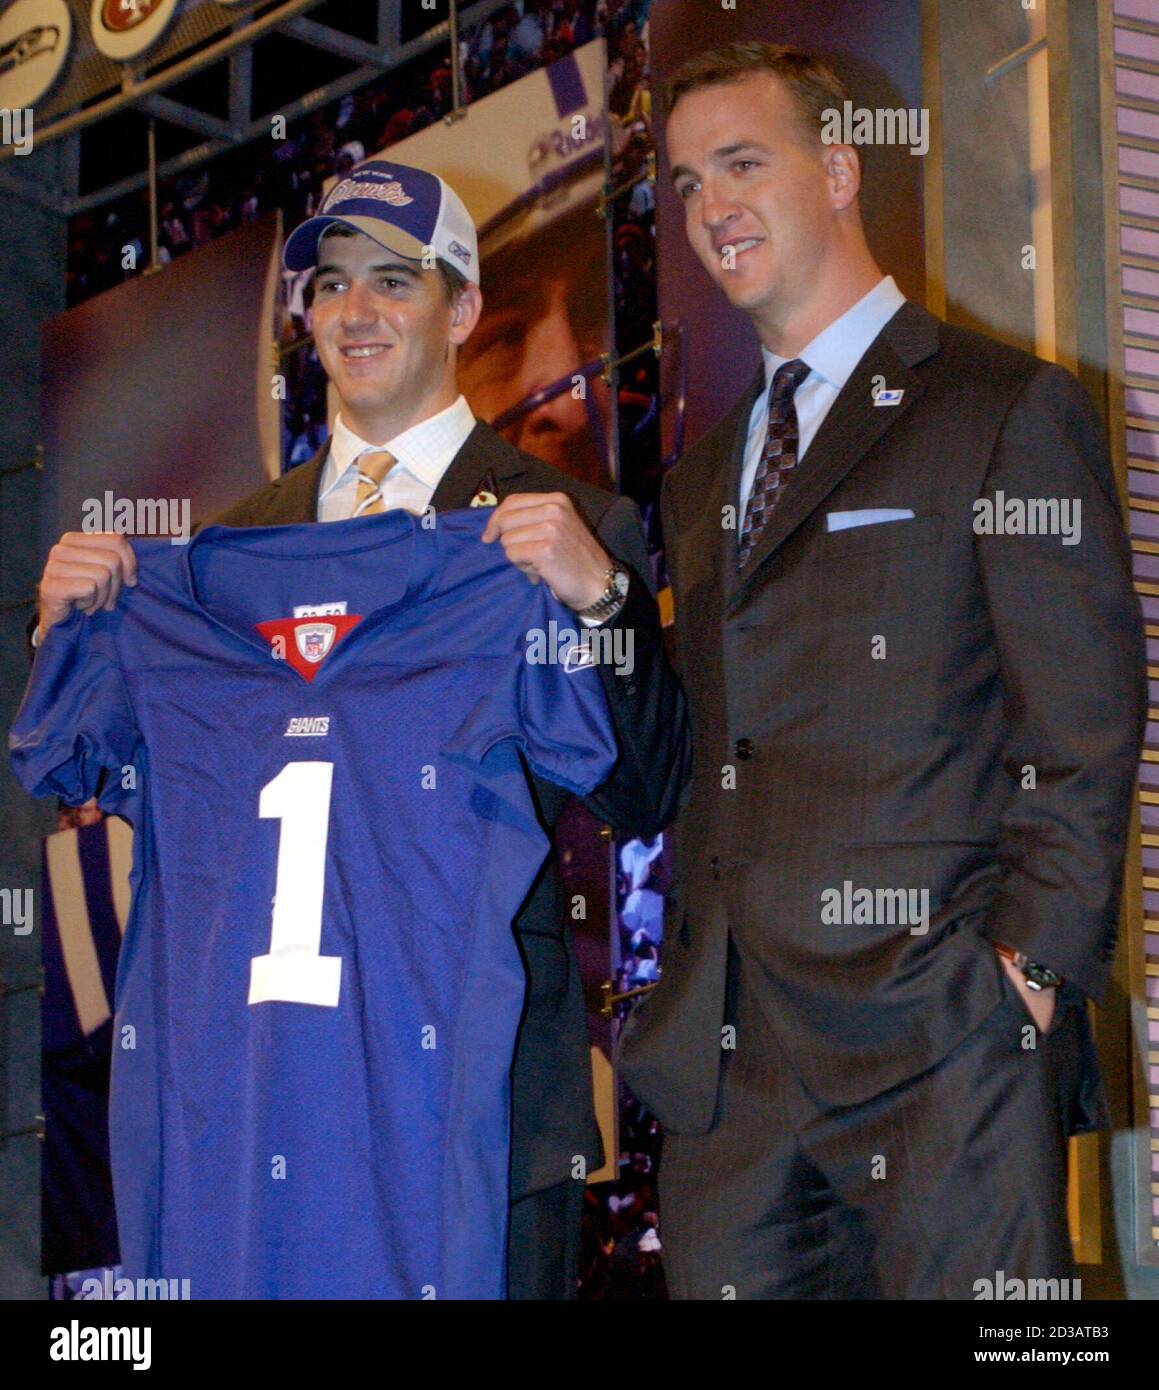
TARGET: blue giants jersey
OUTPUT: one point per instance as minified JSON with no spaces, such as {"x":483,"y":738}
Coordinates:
{"x":321,"y":736}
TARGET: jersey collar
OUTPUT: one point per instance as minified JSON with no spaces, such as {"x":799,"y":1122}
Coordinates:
{"x":310,"y":542}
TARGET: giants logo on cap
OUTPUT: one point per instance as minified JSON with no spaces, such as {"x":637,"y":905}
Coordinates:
{"x":368,"y":186}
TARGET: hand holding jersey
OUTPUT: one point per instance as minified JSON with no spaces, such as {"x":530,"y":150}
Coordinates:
{"x":85,"y":571}
{"x":542,"y":535}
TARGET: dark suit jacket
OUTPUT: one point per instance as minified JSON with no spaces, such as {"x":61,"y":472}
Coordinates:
{"x":896,"y":766}
{"x":553,"y":1119}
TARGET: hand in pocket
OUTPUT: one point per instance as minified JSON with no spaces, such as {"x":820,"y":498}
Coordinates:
{"x":1039,"y":1003}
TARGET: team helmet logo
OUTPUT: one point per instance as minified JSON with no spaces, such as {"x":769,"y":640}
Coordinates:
{"x":42,"y":38}
{"x":314,"y":640}
{"x":119,"y":15}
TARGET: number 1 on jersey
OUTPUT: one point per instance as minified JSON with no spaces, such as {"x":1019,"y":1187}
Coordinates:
{"x":294,"y":971}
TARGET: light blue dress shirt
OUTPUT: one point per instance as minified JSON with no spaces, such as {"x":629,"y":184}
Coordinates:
{"x":832,"y":357}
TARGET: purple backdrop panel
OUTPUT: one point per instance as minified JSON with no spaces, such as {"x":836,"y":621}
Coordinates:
{"x":161,"y":387}
{"x":1147,"y":10}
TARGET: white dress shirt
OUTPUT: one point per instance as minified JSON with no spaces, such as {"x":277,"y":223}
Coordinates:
{"x":424,"y":453}
{"x":831,"y":356}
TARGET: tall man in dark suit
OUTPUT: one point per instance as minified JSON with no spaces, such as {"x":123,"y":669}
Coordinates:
{"x":395,"y":294}
{"x":915,"y":737}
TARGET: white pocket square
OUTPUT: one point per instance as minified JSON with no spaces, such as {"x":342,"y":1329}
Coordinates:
{"x":874,"y":516}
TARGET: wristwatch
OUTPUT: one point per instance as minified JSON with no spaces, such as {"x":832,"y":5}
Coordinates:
{"x":611,"y":600}
{"x":1038,"y":977}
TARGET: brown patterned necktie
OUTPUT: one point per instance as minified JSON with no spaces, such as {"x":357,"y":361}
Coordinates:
{"x":779,"y":458}
{"x":373,"y":467}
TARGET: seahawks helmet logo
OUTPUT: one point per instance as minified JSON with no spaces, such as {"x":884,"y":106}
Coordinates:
{"x":41,"y":38}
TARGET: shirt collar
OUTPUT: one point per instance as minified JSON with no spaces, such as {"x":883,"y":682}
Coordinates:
{"x":836,"y":350}
{"x":425,"y":450}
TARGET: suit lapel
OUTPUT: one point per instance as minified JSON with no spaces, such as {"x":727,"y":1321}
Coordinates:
{"x":721,"y":488}
{"x":483,"y":453}
{"x":851,"y":428}
{"x":295,"y":495}
{"x":738,"y":440}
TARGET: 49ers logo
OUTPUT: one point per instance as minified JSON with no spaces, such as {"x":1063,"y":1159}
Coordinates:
{"x":119,"y":15}
{"x":124,"y":29}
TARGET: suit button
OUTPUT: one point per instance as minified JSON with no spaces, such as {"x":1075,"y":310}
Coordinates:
{"x":745,"y":748}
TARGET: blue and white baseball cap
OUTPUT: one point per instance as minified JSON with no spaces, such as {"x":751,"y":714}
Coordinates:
{"x":406,"y":210}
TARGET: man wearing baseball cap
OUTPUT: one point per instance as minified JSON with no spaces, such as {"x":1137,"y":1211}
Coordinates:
{"x":396,"y":293}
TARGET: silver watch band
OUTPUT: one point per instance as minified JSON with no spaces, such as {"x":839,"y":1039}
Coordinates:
{"x":610,"y":601}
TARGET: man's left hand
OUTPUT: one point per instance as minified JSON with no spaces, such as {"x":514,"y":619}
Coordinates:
{"x":544,"y":536}
{"x":1040,"y":1002}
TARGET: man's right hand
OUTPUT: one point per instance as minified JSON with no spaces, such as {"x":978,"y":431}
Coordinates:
{"x":85,"y":570}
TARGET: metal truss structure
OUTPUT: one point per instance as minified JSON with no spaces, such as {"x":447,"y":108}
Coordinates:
{"x":53,"y":182}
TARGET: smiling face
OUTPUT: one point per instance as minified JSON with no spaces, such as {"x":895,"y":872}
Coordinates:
{"x":755,"y":177}
{"x":386,"y":334}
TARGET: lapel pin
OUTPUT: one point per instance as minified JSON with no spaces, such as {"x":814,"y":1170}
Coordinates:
{"x":485,"y":495}
{"x":884,"y":397}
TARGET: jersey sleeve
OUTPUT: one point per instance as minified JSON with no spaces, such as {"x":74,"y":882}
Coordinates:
{"x":75,"y":722}
{"x":548,"y":703}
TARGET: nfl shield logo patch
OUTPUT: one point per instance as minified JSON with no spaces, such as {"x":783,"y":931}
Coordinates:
{"x":306,"y":645}
{"x":314,"y":640}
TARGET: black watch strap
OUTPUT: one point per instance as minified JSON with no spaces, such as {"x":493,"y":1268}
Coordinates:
{"x":1037,"y":976}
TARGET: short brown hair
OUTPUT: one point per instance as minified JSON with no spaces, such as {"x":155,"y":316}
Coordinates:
{"x":453,"y":281}
{"x":815,"y":87}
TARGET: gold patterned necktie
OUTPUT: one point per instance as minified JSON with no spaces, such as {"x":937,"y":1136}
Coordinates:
{"x":373,"y":467}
